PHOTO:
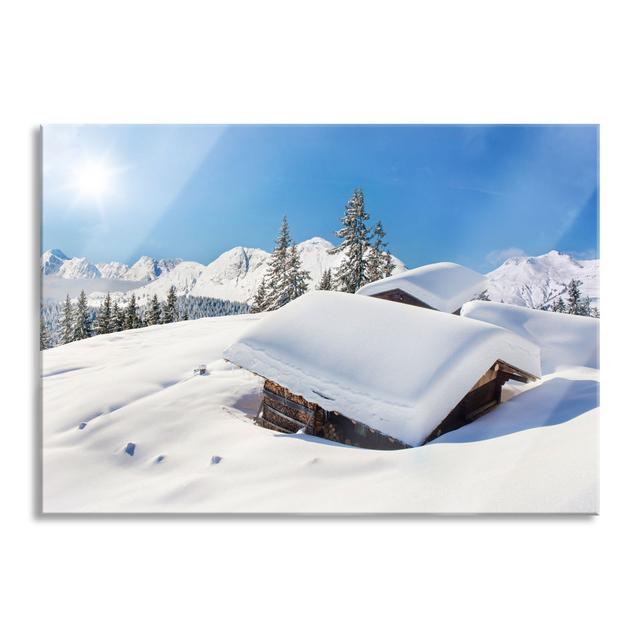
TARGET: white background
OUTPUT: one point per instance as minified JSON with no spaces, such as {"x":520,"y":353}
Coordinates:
{"x":319,"y":62}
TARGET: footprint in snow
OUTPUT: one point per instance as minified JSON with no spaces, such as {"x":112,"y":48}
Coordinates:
{"x":82,"y":425}
{"x":130,"y":448}
{"x":159,"y":459}
{"x":216,"y":460}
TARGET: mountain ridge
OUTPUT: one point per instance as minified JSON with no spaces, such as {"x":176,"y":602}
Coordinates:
{"x":531,"y":281}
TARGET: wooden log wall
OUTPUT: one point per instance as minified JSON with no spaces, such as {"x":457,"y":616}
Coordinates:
{"x":287,"y":412}
{"x":398,"y":295}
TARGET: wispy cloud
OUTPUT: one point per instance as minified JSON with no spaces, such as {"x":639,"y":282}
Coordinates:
{"x":498,"y":256}
{"x":486,"y":192}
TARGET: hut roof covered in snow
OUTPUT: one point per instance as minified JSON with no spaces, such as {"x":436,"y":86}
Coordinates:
{"x":444,"y":286}
{"x":391,"y":366}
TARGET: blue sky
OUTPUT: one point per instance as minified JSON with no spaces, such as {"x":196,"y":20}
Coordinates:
{"x":470,"y":194}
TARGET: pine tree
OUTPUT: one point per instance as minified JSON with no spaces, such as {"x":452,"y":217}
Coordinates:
{"x":122,"y":317}
{"x":379,"y":264}
{"x":82,"y":321}
{"x":351,"y":274}
{"x":131,"y":319}
{"x":65,"y":327}
{"x":170,"y":310}
{"x":387,"y":264}
{"x":559,"y":306}
{"x":117,"y":319}
{"x":152,"y":312}
{"x":325,"y":283}
{"x":276,"y":277}
{"x":45,"y":343}
{"x":574,"y":304}
{"x":297,"y":278}
{"x":260,"y":299}
{"x":585,"y":307}
{"x":103,"y":320}
{"x":185,"y":312}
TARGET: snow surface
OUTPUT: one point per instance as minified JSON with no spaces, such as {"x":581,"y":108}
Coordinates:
{"x":397,"y":368}
{"x":445,"y":286}
{"x":137,"y":387}
{"x":564,"y":340}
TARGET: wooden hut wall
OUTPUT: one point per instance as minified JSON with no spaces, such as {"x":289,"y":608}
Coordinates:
{"x":398,"y":295}
{"x":484,"y":396}
{"x":347,"y":431}
{"x":287,"y":412}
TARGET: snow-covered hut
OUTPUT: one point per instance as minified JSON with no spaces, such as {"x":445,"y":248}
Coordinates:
{"x":374,"y":374}
{"x":444,"y":286}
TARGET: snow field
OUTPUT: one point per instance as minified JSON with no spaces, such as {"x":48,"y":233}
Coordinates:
{"x":198,"y":450}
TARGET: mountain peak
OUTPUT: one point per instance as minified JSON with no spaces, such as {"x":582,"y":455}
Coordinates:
{"x":536,"y":281}
{"x":316,"y":241}
{"x":57,"y":253}
{"x":52,"y":260}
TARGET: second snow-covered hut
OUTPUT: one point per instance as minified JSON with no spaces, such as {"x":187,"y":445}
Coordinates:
{"x":443,"y":286}
{"x":375,"y":374}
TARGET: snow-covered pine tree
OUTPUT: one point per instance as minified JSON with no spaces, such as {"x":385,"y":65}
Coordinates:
{"x":351,"y":273}
{"x":82,"y":320}
{"x":65,"y":326}
{"x":574,"y":303}
{"x":387,"y":264}
{"x":103,"y":320}
{"x":131,"y":319}
{"x":260,"y":299}
{"x":559,"y":306}
{"x":185,"y":313}
{"x":297,"y":278}
{"x":326,"y":283}
{"x":153,"y":312}
{"x":170,"y":309}
{"x":276,"y":277}
{"x":45,"y":343}
{"x":585,"y":307}
{"x":117,"y":319}
{"x":373,"y":269}
{"x":483,"y":296}
{"x":379,"y":264}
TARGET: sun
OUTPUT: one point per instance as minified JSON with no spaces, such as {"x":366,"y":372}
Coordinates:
{"x":94,"y":178}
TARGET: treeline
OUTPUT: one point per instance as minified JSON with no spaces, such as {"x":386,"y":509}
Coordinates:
{"x":366,"y":259}
{"x":576,"y":304}
{"x":61,"y":323}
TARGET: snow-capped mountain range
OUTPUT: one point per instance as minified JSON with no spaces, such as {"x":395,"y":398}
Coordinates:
{"x":236,"y":274}
{"x":536,"y":281}
{"x":146,"y":269}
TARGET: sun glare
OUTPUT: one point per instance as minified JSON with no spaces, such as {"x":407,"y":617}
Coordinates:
{"x":93,"y":179}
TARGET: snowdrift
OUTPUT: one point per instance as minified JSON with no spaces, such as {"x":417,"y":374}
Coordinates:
{"x":198,"y":450}
{"x":397,"y":368}
{"x":564,"y":340}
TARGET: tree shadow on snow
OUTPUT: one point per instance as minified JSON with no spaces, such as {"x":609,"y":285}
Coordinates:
{"x":552,"y":403}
